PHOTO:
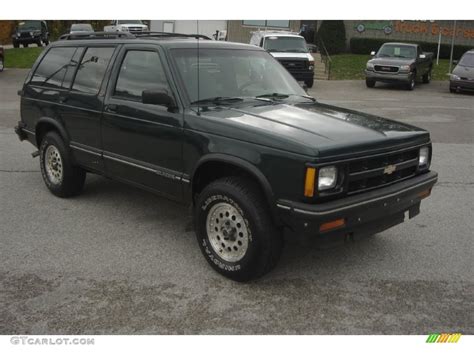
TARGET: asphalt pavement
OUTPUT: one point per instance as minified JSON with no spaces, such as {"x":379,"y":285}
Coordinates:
{"x":118,"y":260}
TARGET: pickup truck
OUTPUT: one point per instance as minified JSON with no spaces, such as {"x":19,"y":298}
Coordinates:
{"x":132,"y":26}
{"x":399,"y":63}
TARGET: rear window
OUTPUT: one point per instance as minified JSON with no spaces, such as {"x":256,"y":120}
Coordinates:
{"x":53,"y":67}
{"x":92,"y":69}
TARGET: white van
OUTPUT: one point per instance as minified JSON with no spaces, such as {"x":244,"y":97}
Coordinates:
{"x":289,"y":48}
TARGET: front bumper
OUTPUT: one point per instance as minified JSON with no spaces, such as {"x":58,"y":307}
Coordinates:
{"x":461,"y":84}
{"x":388,"y":77}
{"x":302,"y":75}
{"x":27,"y":40}
{"x":365,"y":213}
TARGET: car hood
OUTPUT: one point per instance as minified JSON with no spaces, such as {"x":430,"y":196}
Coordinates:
{"x":391,"y":61}
{"x":464,"y":72}
{"x":316,"y":129}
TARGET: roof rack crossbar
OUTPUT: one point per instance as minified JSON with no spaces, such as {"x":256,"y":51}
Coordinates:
{"x":169,"y":34}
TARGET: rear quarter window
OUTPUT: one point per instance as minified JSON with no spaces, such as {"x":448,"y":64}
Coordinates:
{"x":92,"y":69}
{"x":50,"y":72}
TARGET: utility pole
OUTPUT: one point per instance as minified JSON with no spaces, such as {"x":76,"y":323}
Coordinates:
{"x":439,"y":47}
{"x":452,"y":48}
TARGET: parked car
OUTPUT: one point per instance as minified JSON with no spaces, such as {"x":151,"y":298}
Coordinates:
{"x":2,"y":58}
{"x":132,"y":26}
{"x":81,"y":27}
{"x":29,"y":32}
{"x":462,"y":77}
{"x":228,"y":131}
{"x":290,"y":50}
{"x":399,"y":63}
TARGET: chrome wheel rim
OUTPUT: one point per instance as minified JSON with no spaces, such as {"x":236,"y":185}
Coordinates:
{"x":227,"y":232}
{"x":53,"y":165}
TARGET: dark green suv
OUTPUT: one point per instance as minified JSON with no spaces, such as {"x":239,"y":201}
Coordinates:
{"x":224,"y":127}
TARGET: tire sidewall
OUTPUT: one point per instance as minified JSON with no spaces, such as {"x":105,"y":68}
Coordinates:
{"x":48,"y":140}
{"x":233,"y":270}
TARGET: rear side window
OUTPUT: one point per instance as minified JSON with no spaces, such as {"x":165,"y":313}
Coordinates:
{"x":53,"y":67}
{"x":140,"y":70}
{"x":92,"y":69}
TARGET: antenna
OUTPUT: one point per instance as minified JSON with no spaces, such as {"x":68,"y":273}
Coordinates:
{"x":198,"y":68}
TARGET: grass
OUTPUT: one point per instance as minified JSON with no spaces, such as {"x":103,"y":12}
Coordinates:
{"x":351,"y":67}
{"x":21,"y":57}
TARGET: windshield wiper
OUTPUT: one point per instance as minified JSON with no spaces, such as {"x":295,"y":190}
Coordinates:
{"x":217,"y":100}
{"x":277,"y":96}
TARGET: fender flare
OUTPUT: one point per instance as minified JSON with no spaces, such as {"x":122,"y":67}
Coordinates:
{"x":56,"y":124}
{"x":244,"y":165}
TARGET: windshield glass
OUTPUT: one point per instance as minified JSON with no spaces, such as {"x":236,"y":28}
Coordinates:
{"x":233,"y":73}
{"x":29,"y":25}
{"x":81,"y":27}
{"x":395,"y":51}
{"x":130,"y":22}
{"x":285,"y":44}
{"x":467,"y":60}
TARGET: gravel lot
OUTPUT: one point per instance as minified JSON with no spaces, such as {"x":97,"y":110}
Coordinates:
{"x":117,"y":260}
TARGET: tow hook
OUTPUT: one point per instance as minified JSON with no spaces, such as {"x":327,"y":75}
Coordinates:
{"x":35,"y":154}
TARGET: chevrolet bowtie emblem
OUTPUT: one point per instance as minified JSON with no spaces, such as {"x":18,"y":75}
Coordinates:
{"x":389,"y":169}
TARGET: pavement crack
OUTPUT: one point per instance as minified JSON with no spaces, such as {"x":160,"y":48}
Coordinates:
{"x":19,"y":171}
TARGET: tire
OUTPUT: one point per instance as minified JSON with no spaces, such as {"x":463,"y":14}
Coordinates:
{"x":16,"y":45}
{"x":309,"y":83}
{"x":46,"y":42}
{"x":427,"y":77}
{"x":61,"y":177}
{"x":453,"y":90}
{"x":369,"y":83}
{"x":39,"y":44}
{"x":25,"y":45}
{"x":246,"y":244}
{"x":411,"y":85}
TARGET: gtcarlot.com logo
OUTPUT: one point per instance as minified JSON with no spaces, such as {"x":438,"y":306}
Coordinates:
{"x":59,"y":340}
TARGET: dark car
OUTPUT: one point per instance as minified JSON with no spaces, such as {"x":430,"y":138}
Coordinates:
{"x":29,"y":32}
{"x":403,"y":63}
{"x":2,"y":58}
{"x":222,"y":127}
{"x":462,"y":77}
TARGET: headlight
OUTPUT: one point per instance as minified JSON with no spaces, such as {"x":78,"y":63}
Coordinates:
{"x":455,"y":77}
{"x":311,"y":65}
{"x":370,"y":66}
{"x":405,"y":67}
{"x":327,"y":178}
{"x":124,"y":29}
{"x":424,"y":157}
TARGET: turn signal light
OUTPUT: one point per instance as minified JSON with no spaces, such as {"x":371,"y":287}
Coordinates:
{"x":332,"y":225}
{"x":424,"y":194}
{"x":309,"y":182}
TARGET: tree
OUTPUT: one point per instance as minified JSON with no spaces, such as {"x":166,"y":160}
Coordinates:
{"x":332,"y":33}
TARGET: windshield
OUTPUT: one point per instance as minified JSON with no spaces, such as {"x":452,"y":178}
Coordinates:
{"x":233,"y":73}
{"x":81,"y":27}
{"x":467,"y":60}
{"x":285,"y":44}
{"x":130,"y":22}
{"x":29,"y":25}
{"x":395,"y":51}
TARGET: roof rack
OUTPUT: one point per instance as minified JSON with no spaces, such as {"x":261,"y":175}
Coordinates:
{"x":169,"y":34}
{"x":120,"y":34}
{"x":96,"y":35}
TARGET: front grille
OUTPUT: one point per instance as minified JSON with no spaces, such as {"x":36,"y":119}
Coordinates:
{"x":370,"y":173}
{"x":135,"y":29}
{"x":25,"y":35}
{"x":291,"y":64}
{"x":386,"y":68}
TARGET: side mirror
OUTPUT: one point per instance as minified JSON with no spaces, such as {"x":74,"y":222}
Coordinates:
{"x":372,"y":53}
{"x":159,"y":97}
{"x":422,"y":56}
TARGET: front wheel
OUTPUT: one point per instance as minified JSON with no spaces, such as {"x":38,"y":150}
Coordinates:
{"x":411,"y":83}
{"x":369,"y":83}
{"x":25,"y":45}
{"x":309,"y":83}
{"x":234,"y":229}
{"x":61,"y":177}
{"x":16,"y":45}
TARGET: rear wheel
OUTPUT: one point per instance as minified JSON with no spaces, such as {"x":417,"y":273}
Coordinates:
{"x":370,"y":83}
{"x":59,"y":174}
{"x":309,"y":83}
{"x":427,"y":77}
{"x":234,"y":229}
